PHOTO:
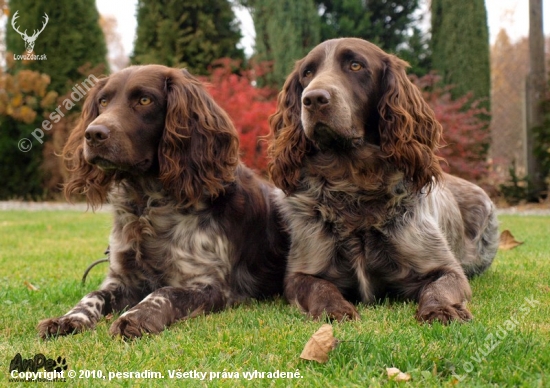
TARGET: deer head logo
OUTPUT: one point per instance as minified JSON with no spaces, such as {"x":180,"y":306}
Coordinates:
{"x":29,"y":40}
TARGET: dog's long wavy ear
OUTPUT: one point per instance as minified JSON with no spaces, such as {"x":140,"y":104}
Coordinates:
{"x":289,"y":144}
{"x":83,"y":177}
{"x":409,"y":132}
{"x":199,"y":149}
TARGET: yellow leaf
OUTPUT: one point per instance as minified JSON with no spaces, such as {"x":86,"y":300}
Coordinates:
{"x":508,"y":241}
{"x":17,"y":100}
{"x":26,"y":114}
{"x":26,"y":80}
{"x":319,"y":345}
{"x":49,"y":99}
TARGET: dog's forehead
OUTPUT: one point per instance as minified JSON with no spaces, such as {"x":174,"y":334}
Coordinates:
{"x":330,"y":50}
{"x":138,"y":76}
{"x":323,"y":50}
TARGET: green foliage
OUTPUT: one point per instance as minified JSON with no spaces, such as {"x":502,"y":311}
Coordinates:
{"x":285,"y":31}
{"x":20,"y":171}
{"x":71,"y":39}
{"x":517,"y":189}
{"x":186,"y":33}
{"x":460,"y":47}
{"x":542,"y":139}
{"x":388,"y":24}
{"x":346,"y":18}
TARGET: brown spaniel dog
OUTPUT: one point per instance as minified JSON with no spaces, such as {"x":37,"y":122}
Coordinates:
{"x":370,"y":211}
{"x":194,"y":230}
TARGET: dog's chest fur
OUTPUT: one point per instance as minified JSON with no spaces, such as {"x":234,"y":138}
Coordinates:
{"x":165,"y":246}
{"x":350,"y":224}
{"x":348,"y":208}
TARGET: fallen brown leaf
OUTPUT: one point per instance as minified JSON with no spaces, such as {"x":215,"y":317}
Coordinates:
{"x":396,"y":375}
{"x":30,"y":286}
{"x":319,"y":345}
{"x":508,"y":241}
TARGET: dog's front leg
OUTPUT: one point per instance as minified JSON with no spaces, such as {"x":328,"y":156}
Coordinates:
{"x":316,"y":296}
{"x":310,"y":258}
{"x":435,"y":278}
{"x":113,"y":296}
{"x":167,"y":305}
{"x":445,"y":299}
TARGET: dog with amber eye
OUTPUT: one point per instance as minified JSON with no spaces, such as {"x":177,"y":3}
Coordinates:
{"x":370,"y":211}
{"x":194,"y":230}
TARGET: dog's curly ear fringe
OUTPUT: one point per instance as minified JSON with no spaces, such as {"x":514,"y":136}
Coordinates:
{"x":289,"y":144}
{"x":85,"y":179}
{"x":409,"y":132}
{"x":199,"y":149}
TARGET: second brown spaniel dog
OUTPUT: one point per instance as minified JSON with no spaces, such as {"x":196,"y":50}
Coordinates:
{"x":194,"y":230}
{"x":370,"y":211}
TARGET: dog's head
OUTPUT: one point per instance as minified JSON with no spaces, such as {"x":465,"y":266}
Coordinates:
{"x":151,"y":120}
{"x":348,"y":93}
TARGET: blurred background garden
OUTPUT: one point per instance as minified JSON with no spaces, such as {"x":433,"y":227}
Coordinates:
{"x":490,"y":94}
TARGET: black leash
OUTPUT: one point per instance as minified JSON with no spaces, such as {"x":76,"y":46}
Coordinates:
{"x":104,"y":260}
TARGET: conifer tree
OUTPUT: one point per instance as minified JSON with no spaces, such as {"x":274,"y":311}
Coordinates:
{"x":285,"y":31}
{"x":460,"y":46}
{"x":186,"y":33}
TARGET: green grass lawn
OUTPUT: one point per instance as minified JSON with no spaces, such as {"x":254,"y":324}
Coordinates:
{"x":507,"y":344}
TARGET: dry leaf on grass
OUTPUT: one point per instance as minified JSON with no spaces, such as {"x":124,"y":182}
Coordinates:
{"x":320,"y":343}
{"x":392,"y":371}
{"x":508,"y":241}
{"x":30,"y":286}
{"x":396,"y":375}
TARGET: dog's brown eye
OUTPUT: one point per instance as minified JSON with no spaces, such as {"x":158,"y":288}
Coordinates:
{"x":103,"y":102}
{"x":308,"y":73}
{"x":144,"y":100}
{"x":355,"y":66}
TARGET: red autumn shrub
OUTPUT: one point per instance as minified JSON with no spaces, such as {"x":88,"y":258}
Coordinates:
{"x":248,"y":106}
{"x":465,"y":133}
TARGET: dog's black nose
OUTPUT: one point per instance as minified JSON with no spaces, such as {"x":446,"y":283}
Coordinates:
{"x":316,"y":99}
{"x":96,"y":135}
